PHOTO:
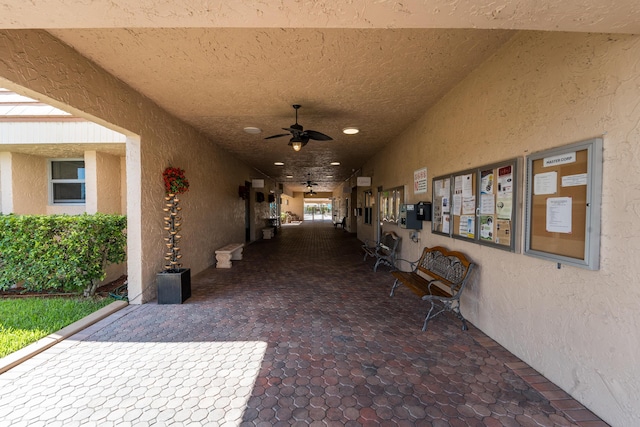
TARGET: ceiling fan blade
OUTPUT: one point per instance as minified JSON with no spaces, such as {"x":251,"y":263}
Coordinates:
{"x":278,"y":136}
{"x":294,"y":131}
{"x":318,"y":136}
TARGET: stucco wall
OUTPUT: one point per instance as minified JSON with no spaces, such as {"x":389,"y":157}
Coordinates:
{"x":26,"y":187}
{"x":213,"y":214}
{"x":579,"y":328}
{"x":30,"y":185}
{"x":296,"y":205}
{"x":108,"y":172}
{"x":6,"y":201}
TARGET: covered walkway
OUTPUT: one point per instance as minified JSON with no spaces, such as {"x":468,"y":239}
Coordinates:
{"x":300,"y":332}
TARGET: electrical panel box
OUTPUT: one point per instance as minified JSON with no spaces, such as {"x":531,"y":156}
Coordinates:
{"x":408,"y":218}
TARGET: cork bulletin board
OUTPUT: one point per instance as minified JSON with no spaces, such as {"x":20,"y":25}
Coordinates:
{"x":564,"y":193}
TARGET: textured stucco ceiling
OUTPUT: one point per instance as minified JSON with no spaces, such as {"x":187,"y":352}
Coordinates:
{"x":375,"y":65}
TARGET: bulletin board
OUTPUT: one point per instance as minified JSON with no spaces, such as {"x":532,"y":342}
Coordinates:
{"x":441,"y":206}
{"x":564,"y":193}
{"x":479,"y":205}
{"x":463,"y":205}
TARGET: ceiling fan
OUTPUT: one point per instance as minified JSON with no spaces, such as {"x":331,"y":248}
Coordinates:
{"x":299,"y":136}
{"x":308,"y":183}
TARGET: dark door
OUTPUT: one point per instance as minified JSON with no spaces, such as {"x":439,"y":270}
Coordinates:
{"x":247,"y":213}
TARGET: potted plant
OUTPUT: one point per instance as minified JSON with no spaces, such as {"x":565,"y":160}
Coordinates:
{"x":174,"y":282}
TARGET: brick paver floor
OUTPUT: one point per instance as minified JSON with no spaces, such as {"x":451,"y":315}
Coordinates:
{"x":299,"y":332}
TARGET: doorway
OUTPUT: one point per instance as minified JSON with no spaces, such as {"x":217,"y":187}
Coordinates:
{"x":247,"y":212}
{"x":317,"y":210}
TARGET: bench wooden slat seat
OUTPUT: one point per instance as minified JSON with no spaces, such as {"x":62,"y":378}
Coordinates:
{"x":439,"y":277}
{"x":383,"y":251}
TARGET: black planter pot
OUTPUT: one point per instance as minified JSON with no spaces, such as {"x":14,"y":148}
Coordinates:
{"x":174,"y":288}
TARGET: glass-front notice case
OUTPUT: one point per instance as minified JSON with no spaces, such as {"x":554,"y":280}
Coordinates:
{"x":478,"y":205}
{"x":564,"y":194}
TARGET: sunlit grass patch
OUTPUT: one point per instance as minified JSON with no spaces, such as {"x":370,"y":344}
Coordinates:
{"x":26,"y":320}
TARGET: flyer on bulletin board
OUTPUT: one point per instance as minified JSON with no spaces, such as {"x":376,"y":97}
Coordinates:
{"x":486,"y":182}
{"x":559,"y":215}
{"x":505,"y":180}
{"x":503,"y":207}
{"x":503,"y":231}
{"x":486,"y":227}
{"x":467,"y":226}
{"x":437,"y":211}
{"x":445,"y":223}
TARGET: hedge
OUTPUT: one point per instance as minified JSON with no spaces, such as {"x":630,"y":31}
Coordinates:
{"x":59,"y":252}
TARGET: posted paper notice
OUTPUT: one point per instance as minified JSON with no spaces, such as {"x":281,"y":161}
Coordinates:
{"x":545,"y":183}
{"x":559,"y":215}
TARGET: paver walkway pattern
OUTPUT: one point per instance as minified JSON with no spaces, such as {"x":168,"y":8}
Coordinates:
{"x":299,"y":332}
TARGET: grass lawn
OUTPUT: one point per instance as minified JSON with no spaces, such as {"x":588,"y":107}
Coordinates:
{"x":26,"y":320}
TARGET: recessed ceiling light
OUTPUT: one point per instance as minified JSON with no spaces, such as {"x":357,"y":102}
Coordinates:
{"x":329,"y":176}
{"x":350,"y":131}
{"x":252,"y":129}
{"x":335,"y":163}
{"x":278,"y":163}
{"x":289,"y":176}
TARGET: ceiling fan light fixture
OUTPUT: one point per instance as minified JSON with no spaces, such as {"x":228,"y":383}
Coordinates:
{"x":350,"y":130}
{"x":296,"y":145}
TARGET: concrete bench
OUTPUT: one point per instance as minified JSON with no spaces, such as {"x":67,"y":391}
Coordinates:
{"x":224,"y":255}
{"x":439,"y":276}
{"x":267,"y":232}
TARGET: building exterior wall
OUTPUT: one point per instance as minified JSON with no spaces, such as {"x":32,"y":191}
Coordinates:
{"x":6,"y":192}
{"x":123,"y":185}
{"x":28,"y":185}
{"x":296,"y":205}
{"x":109,"y":183}
{"x":29,"y":182}
{"x":579,"y":328}
{"x":213,"y":214}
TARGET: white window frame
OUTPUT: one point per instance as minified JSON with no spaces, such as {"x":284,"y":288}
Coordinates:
{"x":52,"y":181}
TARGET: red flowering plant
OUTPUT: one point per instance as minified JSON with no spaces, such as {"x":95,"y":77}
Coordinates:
{"x":174,"y":181}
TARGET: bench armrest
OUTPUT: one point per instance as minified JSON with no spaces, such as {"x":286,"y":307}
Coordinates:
{"x":412,"y":264}
{"x":370,"y":247}
{"x":446,"y":285}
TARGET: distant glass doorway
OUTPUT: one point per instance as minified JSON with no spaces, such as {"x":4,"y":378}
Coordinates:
{"x":317,"y":211}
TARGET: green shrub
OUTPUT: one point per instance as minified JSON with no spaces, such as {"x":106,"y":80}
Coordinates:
{"x":67,"y":252}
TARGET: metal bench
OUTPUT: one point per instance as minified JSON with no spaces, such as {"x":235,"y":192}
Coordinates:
{"x":439,"y":277}
{"x":383,"y":251}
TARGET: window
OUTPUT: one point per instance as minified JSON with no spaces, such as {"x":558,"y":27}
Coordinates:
{"x":368,"y":207}
{"x":66,"y":181}
{"x":390,"y":204}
